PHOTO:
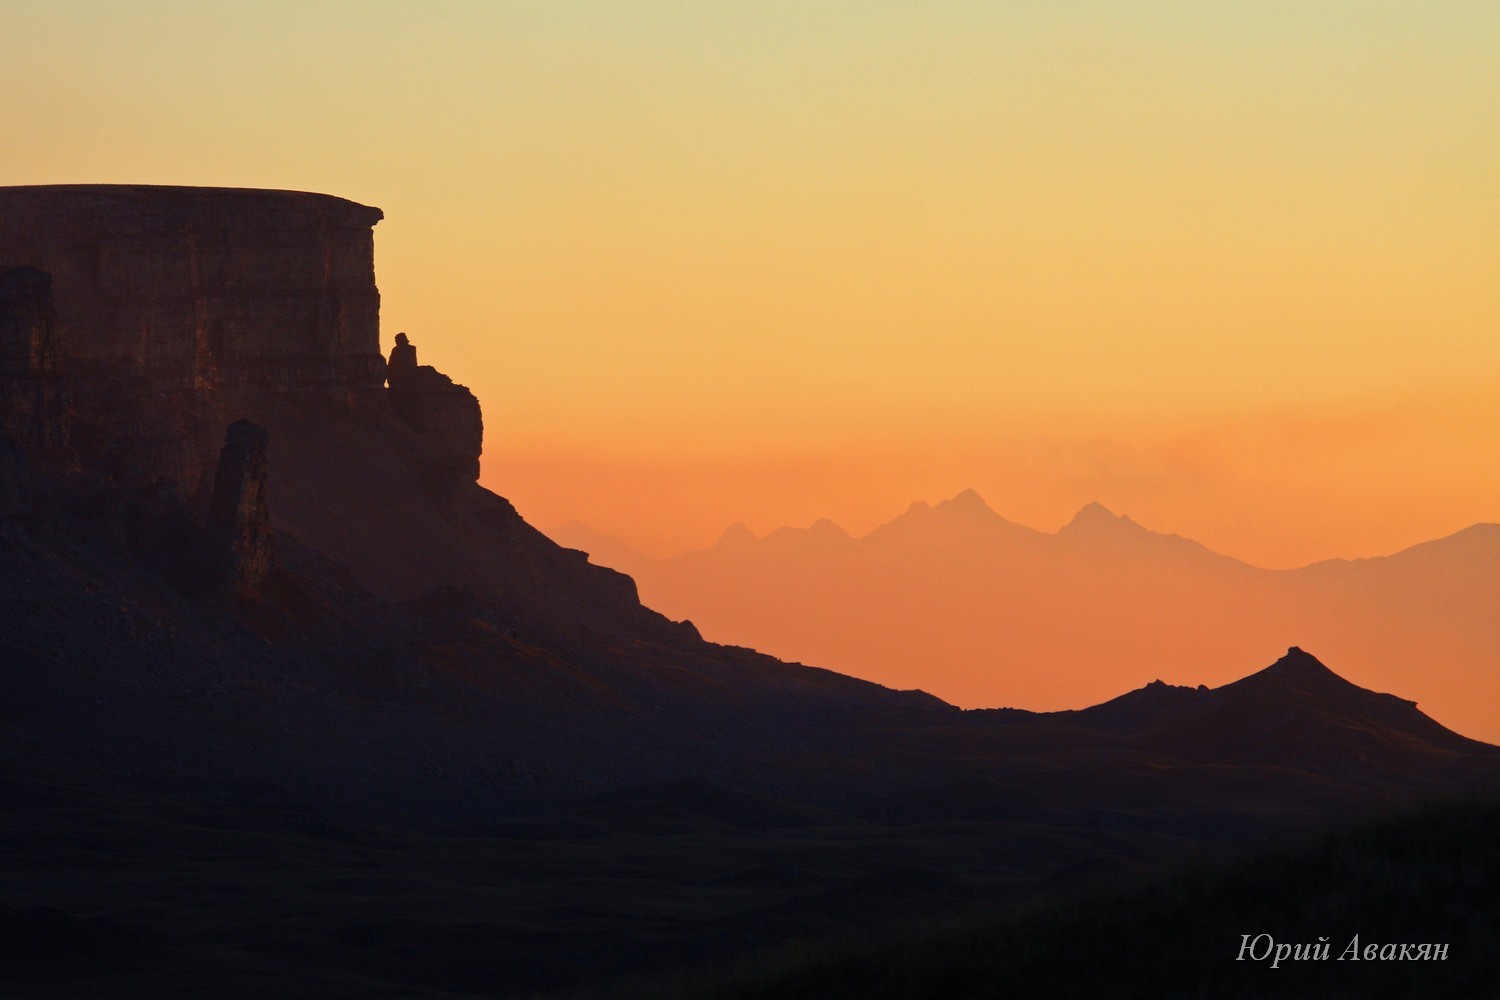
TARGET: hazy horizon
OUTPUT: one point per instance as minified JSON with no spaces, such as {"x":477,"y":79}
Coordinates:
{"x":577,"y":527}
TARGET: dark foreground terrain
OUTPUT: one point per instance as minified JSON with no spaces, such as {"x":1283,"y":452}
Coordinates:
{"x":1120,"y":851}
{"x":123,"y":895}
{"x":289,"y":705}
{"x":1424,"y":877}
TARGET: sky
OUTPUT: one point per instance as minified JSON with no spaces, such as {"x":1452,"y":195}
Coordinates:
{"x":1230,"y":268}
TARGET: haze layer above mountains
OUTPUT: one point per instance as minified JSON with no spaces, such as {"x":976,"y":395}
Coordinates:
{"x":955,"y":599}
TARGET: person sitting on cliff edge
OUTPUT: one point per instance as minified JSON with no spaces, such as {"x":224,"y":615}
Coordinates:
{"x":403,"y":362}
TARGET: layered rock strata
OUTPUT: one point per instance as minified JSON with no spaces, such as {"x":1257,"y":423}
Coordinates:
{"x":31,"y":391}
{"x":169,"y":311}
{"x":206,"y":288}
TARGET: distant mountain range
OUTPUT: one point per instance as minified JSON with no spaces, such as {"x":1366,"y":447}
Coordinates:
{"x":954,"y":599}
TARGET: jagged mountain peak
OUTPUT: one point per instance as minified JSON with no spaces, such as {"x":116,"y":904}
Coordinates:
{"x":1094,"y":516}
{"x":966,"y":503}
{"x":821,"y":531}
{"x":962,"y":518}
{"x":735,"y":536}
{"x":825,"y":528}
{"x":1095,"y":526}
{"x":1298,"y":670}
{"x":969,"y":502}
{"x":1299,"y":661}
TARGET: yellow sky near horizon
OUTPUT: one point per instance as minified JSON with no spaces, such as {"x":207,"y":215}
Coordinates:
{"x":1231,"y":268}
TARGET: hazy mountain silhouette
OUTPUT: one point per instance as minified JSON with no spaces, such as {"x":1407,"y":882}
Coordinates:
{"x":955,"y":599}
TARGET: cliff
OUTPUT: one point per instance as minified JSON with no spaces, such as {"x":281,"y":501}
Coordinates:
{"x":170,"y":310}
{"x":206,"y":288}
{"x":137,"y":323}
{"x":31,"y":391}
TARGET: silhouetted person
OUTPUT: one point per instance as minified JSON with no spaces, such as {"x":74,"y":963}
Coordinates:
{"x":446,"y":414}
{"x":403,"y":363}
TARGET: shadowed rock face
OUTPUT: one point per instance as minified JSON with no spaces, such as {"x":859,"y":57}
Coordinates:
{"x":31,"y":398}
{"x":206,"y":288}
{"x":162,"y":313}
{"x":15,"y":483}
{"x":27,"y":344}
{"x":239,"y":522}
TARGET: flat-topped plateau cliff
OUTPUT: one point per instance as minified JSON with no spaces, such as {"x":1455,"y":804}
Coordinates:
{"x":207,"y":288}
{"x":138,"y":322}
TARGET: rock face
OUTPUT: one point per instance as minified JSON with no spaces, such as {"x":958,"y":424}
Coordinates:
{"x":168,"y":311}
{"x":239,"y":523}
{"x":31,"y":391}
{"x":443,"y":412}
{"x":204,"y":288}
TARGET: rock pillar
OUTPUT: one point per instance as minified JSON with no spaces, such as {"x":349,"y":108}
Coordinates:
{"x":239,"y":524}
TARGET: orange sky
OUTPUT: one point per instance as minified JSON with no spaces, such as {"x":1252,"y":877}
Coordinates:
{"x":1232,"y":268}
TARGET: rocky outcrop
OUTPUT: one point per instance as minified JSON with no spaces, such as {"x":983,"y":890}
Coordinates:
{"x":31,"y":391}
{"x":206,"y":288}
{"x":239,"y":523}
{"x":443,"y":412}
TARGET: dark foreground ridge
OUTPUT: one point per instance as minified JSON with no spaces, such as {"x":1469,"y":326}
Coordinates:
{"x":319,"y":715}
